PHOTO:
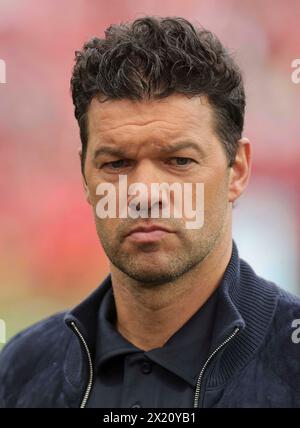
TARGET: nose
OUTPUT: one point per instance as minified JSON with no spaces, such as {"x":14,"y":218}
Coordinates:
{"x":141,"y":195}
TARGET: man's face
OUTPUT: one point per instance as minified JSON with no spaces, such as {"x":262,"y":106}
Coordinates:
{"x":145,"y":133}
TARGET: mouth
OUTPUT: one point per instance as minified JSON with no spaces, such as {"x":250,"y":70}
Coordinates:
{"x":148,"y":234}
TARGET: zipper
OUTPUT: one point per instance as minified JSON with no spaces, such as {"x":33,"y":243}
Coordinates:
{"x":91,"y":371}
{"x":199,"y":381}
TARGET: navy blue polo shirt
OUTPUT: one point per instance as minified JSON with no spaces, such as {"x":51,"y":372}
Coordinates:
{"x":165,"y":377}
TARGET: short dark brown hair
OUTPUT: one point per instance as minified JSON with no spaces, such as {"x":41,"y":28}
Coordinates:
{"x":153,"y":57}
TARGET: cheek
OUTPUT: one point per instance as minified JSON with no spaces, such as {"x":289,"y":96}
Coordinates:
{"x":215,"y":199}
{"x":107,"y":224}
{"x":107,"y":231}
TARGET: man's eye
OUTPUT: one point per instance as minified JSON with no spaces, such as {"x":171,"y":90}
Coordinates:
{"x":180,"y":161}
{"x":120,"y":163}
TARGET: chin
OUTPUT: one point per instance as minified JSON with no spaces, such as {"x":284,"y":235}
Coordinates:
{"x":151,"y":276}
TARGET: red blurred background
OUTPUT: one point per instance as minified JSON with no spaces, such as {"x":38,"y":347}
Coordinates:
{"x":50,"y":257}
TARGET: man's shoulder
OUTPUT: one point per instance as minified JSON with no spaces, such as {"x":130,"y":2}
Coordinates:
{"x":285,"y":299}
{"x":287,"y":311}
{"x":288,"y":305}
{"x":287,"y":314}
{"x":280,"y":339}
{"x":281,"y":353}
{"x":288,"y":298}
{"x":42,"y":339}
{"x":31,"y":358}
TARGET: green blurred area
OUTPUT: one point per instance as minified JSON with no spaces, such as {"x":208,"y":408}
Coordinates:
{"x":18,"y":314}
{"x":26,"y":308}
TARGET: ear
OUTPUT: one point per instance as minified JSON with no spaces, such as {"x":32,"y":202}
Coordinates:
{"x":84,"y":183}
{"x":240,"y":170}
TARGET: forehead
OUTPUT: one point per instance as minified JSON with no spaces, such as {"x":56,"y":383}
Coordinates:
{"x":122,"y":121}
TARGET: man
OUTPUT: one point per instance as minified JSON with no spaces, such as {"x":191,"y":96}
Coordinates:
{"x":181,"y":320}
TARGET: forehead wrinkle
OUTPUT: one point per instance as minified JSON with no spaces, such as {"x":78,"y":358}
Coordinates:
{"x":129,"y":148}
{"x":161,"y":139}
{"x":172,"y":146}
{"x":103,"y":119}
{"x":162,"y":124}
{"x":163,"y":131}
{"x":133,"y":134}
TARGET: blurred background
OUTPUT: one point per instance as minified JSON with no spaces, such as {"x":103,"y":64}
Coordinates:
{"x":50,"y":257}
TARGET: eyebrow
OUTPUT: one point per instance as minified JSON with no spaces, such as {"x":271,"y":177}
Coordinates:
{"x":109,"y":150}
{"x":170,"y":148}
{"x":180,"y":146}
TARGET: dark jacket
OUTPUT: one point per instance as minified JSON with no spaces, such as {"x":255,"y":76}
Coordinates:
{"x":253,"y":360}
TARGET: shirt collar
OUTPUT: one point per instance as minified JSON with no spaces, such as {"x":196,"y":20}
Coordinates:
{"x":110,"y":343}
{"x":246,"y":302}
{"x":183,"y":354}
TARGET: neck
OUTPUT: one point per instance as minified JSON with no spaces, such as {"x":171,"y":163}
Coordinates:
{"x":148,"y":317}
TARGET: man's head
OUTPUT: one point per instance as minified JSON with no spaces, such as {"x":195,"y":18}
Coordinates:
{"x":148,"y":86}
